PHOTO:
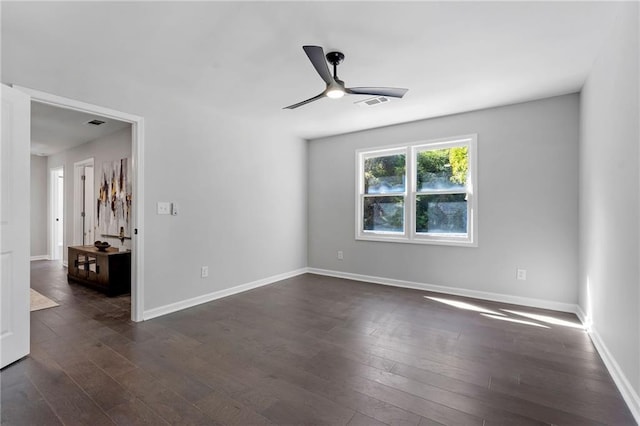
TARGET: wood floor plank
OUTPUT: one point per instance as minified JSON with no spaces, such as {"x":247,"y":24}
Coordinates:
{"x":306,"y":350}
{"x":226,"y":410}
{"x":336,"y":391}
{"x":68,"y":400}
{"x":412,"y":403}
{"x":601,"y":407}
{"x":135,"y":412}
{"x":22,"y":403}
{"x":359,"y":419}
{"x":161,"y":399}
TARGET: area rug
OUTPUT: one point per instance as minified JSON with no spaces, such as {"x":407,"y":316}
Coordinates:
{"x":39,"y":301}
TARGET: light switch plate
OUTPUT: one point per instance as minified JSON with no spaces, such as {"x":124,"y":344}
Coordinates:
{"x":164,"y":207}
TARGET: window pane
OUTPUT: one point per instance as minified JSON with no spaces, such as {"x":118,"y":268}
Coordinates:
{"x":384,"y":214}
{"x":384,"y":174}
{"x":441,"y":214}
{"x":442,"y":169}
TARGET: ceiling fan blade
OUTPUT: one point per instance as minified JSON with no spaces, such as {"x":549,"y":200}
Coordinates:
{"x":392,"y":92}
{"x":317,"y":58}
{"x":299,"y":104}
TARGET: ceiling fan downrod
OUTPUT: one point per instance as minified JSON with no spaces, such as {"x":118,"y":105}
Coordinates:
{"x":335,"y":59}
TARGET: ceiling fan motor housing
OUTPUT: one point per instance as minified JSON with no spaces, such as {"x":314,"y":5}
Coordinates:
{"x":335,"y":58}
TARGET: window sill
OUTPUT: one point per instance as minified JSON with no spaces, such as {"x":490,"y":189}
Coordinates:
{"x":422,"y":241}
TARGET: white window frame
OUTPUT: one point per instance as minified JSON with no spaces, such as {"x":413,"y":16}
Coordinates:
{"x":409,"y":235}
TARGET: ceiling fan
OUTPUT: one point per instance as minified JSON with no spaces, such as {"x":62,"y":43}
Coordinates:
{"x":335,"y":87}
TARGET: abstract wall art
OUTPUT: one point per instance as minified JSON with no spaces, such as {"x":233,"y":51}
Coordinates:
{"x":114,"y":198}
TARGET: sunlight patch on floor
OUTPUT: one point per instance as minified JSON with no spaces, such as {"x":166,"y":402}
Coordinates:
{"x":537,"y":320}
{"x":546,"y":319}
{"x":463,"y":305}
{"x":517,"y":321}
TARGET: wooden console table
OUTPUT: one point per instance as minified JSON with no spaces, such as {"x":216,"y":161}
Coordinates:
{"x":108,"y":271}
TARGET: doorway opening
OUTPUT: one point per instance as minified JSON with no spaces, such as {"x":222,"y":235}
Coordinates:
{"x":56,"y":213}
{"x":88,"y":201}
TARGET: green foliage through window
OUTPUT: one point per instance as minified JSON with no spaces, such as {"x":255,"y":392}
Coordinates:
{"x":441,"y":169}
{"x":384,"y":214}
{"x":384,"y":174}
{"x":441,"y":213}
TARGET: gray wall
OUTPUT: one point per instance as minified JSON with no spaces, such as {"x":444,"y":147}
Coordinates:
{"x":39,"y":209}
{"x":111,"y":147}
{"x":528,"y":204}
{"x":241,"y":186}
{"x":609,"y":196}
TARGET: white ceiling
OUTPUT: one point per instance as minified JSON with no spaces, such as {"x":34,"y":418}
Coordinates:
{"x":246,"y":59}
{"x":56,"y":129}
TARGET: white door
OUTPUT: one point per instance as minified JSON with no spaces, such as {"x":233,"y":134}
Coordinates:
{"x":57,"y":213}
{"x":83,"y":209}
{"x":89,"y":206}
{"x":14,"y":225}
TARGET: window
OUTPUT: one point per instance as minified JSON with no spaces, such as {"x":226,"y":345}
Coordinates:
{"x":424,"y":192}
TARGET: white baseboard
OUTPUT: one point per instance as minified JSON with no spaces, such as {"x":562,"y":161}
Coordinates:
{"x":584,"y":319}
{"x":40,"y":257}
{"x":178,"y":306}
{"x":629,"y":394}
{"x":495,"y":297}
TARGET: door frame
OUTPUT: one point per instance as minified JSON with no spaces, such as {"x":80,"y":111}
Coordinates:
{"x":137,"y":163}
{"x":54,"y":188}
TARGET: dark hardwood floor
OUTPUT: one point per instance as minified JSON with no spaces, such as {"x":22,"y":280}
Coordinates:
{"x":307,"y":350}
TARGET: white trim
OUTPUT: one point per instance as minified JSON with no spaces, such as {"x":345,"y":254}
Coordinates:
{"x":137,"y":161}
{"x":137,"y":240}
{"x":629,"y":394}
{"x":189,"y":303}
{"x":61,"y":101}
{"x":584,"y":319}
{"x":40,"y":257}
{"x":495,"y":297}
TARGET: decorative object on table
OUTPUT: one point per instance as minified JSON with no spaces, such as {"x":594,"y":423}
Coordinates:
{"x":102,"y":245}
{"x":114,"y":200}
{"x":121,"y":237}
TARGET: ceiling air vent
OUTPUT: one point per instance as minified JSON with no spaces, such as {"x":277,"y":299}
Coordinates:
{"x":96,"y":122}
{"x":373,"y":101}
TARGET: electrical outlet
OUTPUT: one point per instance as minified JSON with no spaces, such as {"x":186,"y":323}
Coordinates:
{"x":521,"y":274}
{"x":204,"y":272}
{"x":340,"y":255}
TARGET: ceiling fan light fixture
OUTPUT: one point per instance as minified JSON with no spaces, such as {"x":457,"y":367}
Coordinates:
{"x":335,"y":93}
